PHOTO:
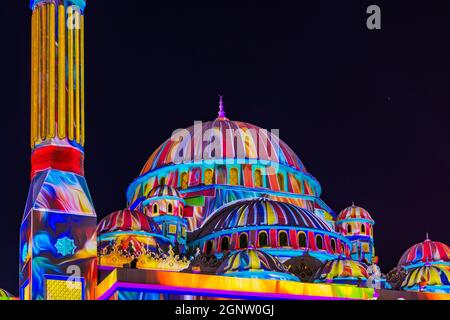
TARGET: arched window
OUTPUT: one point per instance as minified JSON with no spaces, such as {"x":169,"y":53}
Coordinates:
{"x":184,"y":180}
{"x":299,"y":184}
{"x":234,"y":177}
{"x":302,"y":240}
{"x":225,"y":244}
{"x":263,"y":239}
{"x":243,"y":241}
{"x":209,"y":247}
{"x":280,"y":177}
{"x":319,"y":242}
{"x":333,"y":245}
{"x":258,"y":182}
{"x":162,"y":181}
{"x":180,"y":211}
{"x":363,"y":229}
{"x":155,"y":208}
{"x":342,"y":249}
{"x":349,"y":229}
{"x":283,"y":239}
{"x":209,"y":177}
{"x":170,"y":208}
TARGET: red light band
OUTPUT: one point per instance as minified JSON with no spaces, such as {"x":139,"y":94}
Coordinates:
{"x":57,"y":158}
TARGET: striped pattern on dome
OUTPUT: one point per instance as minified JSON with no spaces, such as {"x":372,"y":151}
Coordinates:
{"x":262,"y":212}
{"x":250,"y":260}
{"x":252,"y":143}
{"x":427,"y":275}
{"x":354,"y":212}
{"x":127,"y":220}
{"x":427,"y":251}
{"x":164,"y":191}
{"x":5,"y":294}
{"x":341,"y":269}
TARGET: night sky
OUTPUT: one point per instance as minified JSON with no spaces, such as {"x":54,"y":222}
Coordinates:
{"x":366,"y":111}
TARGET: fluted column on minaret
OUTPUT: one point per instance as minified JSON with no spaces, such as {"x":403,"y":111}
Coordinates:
{"x":58,"y":98}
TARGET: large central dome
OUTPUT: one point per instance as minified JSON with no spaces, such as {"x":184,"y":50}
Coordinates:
{"x":220,"y":140}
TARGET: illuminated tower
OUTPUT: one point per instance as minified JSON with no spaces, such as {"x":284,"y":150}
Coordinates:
{"x":356,"y":224}
{"x":58,"y":255}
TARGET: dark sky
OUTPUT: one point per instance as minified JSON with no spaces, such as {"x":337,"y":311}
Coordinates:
{"x":366,"y":111}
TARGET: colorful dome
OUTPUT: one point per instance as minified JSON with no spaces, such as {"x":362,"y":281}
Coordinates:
{"x":260,"y":212}
{"x":254,"y":264}
{"x":221,"y":134}
{"x":343,"y":269}
{"x":127,"y":220}
{"x":354,"y":212}
{"x":427,"y":251}
{"x":5,"y":294}
{"x":164,"y":191}
{"x":427,"y":275}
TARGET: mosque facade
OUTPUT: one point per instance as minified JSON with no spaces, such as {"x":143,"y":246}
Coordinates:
{"x":221,"y":210}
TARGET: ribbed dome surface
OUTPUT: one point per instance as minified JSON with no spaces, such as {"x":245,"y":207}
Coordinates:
{"x":261,"y":212}
{"x":229,"y":140}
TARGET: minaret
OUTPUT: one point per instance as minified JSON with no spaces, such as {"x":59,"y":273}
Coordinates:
{"x":58,"y":257}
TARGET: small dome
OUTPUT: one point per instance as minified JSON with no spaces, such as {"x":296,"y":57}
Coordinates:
{"x":341,"y":269}
{"x":163,"y":191}
{"x":5,"y":294}
{"x":354,"y":212}
{"x":427,"y":275}
{"x":427,"y":251}
{"x":254,"y":263}
{"x":127,"y":220}
{"x":261,"y":212}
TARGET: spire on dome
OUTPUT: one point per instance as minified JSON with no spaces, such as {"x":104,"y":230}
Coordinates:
{"x":222,"y":115}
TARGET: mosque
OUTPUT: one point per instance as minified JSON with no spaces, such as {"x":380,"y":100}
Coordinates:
{"x":221,"y":210}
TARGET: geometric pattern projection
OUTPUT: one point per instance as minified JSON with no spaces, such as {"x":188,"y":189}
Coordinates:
{"x":64,"y":290}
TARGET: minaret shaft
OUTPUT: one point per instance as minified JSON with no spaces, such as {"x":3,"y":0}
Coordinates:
{"x":58,"y":231}
{"x":57,"y":100}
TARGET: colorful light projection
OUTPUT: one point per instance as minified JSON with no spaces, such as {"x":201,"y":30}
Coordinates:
{"x":58,"y":258}
{"x":121,"y":284}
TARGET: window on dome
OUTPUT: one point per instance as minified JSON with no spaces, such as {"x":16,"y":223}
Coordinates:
{"x":162,"y":181}
{"x":333,"y":245}
{"x":342,"y":249}
{"x":209,"y":177}
{"x":349,"y":229}
{"x":170,"y":208}
{"x":225,"y":244}
{"x":258,"y":182}
{"x":302,"y":240}
{"x":155,"y":208}
{"x":243,"y":241}
{"x":283,"y":239}
{"x":319,"y":242}
{"x":280,"y":177}
{"x":263,"y":239}
{"x":234,"y":177}
{"x":184,"y":180}
{"x":209,"y":247}
{"x":363,"y":229}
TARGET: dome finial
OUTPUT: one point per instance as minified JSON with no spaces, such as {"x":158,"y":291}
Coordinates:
{"x":428,"y":238}
{"x":222,"y":114}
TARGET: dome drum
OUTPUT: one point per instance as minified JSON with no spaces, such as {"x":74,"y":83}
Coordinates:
{"x":282,"y":242}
